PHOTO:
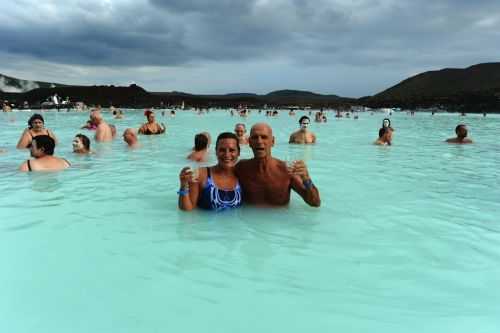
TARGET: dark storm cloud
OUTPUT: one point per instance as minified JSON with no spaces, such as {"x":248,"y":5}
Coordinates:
{"x":402,"y":36}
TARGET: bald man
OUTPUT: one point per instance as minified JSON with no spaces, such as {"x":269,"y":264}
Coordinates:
{"x":103,"y":132}
{"x":130,"y":137}
{"x":266,"y":180}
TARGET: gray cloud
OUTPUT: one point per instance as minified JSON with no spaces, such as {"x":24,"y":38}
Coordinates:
{"x":399,"y":35}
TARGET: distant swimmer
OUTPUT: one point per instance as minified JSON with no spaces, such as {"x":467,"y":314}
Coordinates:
{"x":130,"y":137}
{"x":461,"y":131}
{"x":386,"y":123}
{"x":384,"y":137}
{"x":42,"y":149}
{"x":89,"y":125}
{"x":268,"y":181}
{"x":81,"y":144}
{"x":303,"y":135}
{"x":103,"y":131}
{"x":241,"y":132}
{"x":118,"y":114}
{"x":151,"y":127}
{"x":6,"y":107}
{"x":200,"y":149}
{"x":214,"y":188}
{"x":36,"y":127}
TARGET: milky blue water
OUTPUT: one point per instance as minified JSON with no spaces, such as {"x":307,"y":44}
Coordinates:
{"x":407,"y":238}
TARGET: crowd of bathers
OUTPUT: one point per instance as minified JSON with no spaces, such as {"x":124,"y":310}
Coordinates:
{"x":261,"y":180}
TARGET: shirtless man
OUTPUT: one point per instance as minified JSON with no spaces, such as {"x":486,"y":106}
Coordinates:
{"x":303,"y":135}
{"x":130,"y":137}
{"x":42,"y":149}
{"x":266,"y":180}
{"x":103,"y":131}
{"x":240,"y":131}
{"x":461,"y":131}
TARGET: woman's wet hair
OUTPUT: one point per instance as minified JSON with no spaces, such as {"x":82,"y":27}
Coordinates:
{"x":302,"y":119}
{"x":200,"y":142}
{"x":46,"y":143}
{"x":382,"y":131}
{"x":227,"y":135}
{"x":85,"y":140}
{"x":34,"y":117}
{"x":147,"y":113}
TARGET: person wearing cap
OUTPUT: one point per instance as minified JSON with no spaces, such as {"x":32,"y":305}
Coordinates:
{"x":303,"y":135}
{"x":151,"y":127}
{"x":461,"y":131}
{"x":36,"y":127}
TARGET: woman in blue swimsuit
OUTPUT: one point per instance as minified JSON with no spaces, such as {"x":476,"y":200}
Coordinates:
{"x":216,"y":187}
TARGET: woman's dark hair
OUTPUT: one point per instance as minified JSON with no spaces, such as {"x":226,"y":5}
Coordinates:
{"x":389,"y":125}
{"x":85,"y":140}
{"x":381,"y":132}
{"x":227,"y":135}
{"x":302,"y":118}
{"x":200,"y":142}
{"x":34,"y":117}
{"x":46,"y":143}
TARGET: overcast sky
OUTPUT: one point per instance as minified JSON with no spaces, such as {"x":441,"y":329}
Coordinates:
{"x":345,"y":47}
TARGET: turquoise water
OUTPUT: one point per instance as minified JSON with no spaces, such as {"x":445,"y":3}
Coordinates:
{"x":406,"y":240}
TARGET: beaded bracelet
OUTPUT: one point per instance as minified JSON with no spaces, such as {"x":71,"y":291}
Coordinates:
{"x":183,"y":192}
{"x":308,"y":184}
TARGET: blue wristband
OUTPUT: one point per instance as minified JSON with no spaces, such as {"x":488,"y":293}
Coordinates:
{"x":308,"y":184}
{"x":183,"y":192}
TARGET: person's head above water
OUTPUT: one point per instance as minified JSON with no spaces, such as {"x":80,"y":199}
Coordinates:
{"x":240,"y":129}
{"x":304,"y":122}
{"x":461,"y":131}
{"x":200,"y":142}
{"x":150,"y":115}
{"x":261,"y":140}
{"x":42,"y":145}
{"x":36,"y":121}
{"x":95,"y":116}
{"x":386,"y":123}
{"x":226,"y":136}
{"x":130,"y":136}
{"x":81,"y":144}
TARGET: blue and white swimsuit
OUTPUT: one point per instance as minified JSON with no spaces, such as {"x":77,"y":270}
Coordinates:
{"x":213,"y":198}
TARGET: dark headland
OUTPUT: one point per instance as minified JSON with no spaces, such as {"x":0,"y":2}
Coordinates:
{"x":473,"y":89}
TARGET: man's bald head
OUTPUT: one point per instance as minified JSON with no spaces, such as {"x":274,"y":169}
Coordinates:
{"x":95,"y":116}
{"x":262,"y":127}
{"x":130,"y":136}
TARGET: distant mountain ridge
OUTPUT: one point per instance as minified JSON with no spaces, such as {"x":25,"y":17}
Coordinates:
{"x":14,"y":85}
{"x":472,"y":89}
{"x":476,"y":87}
{"x":445,"y":82}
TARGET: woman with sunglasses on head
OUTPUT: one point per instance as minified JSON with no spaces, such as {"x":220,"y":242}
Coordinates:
{"x":36,"y":127}
{"x":151,"y":127}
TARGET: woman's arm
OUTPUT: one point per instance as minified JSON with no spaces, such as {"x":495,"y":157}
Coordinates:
{"x":51,"y":134}
{"x":24,"y":140}
{"x":189,"y":190}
